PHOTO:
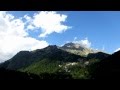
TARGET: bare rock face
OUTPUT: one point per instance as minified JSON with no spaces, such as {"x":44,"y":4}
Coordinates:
{"x":77,"y":49}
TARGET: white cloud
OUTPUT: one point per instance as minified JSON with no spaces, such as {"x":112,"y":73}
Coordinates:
{"x":75,"y":38}
{"x":30,"y":27}
{"x":29,"y":22}
{"x":85,"y":42}
{"x":14,"y":37}
{"x":117,"y":50}
{"x":28,"y":18}
{"x":47,"y":22}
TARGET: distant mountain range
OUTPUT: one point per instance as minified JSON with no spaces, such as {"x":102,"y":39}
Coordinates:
{"x":70,"y":61}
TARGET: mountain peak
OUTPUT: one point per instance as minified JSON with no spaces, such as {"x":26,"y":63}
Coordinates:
{"x":72,"y":45}
{"x":77,"y":49}
{"x":51,"y":47}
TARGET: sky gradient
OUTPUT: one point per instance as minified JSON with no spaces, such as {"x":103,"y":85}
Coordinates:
{"x":96,"y":29}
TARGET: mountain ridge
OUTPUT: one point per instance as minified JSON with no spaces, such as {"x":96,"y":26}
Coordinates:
{"x":25,"y":58}
{"x":53,"y":60}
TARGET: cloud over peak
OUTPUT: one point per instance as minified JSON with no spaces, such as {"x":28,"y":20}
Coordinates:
{"x":85,"y":42}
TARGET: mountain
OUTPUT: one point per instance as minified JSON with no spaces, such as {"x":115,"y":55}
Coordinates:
{"x":16,"y":75}
{"x":52,"y":53}
{"x":108,"y":68}
{"x":98,"y":55}
{"x":56,"y":62}
{"x":77,"y":49}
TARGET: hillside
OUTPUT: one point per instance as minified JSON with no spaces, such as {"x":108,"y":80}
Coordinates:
{"x":26,"y":58}
{"x":53,"y":61}
{"x":16,"y":75}
{"x":98,"y":55}
{"x":108,"y":68}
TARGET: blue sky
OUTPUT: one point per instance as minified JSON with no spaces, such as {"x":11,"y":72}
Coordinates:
{"x":101,"y":28}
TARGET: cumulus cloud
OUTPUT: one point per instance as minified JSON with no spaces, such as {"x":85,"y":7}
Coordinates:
{"x":14,"y":37}
{"x":85,"y":42}
{"x":47,"y":22}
